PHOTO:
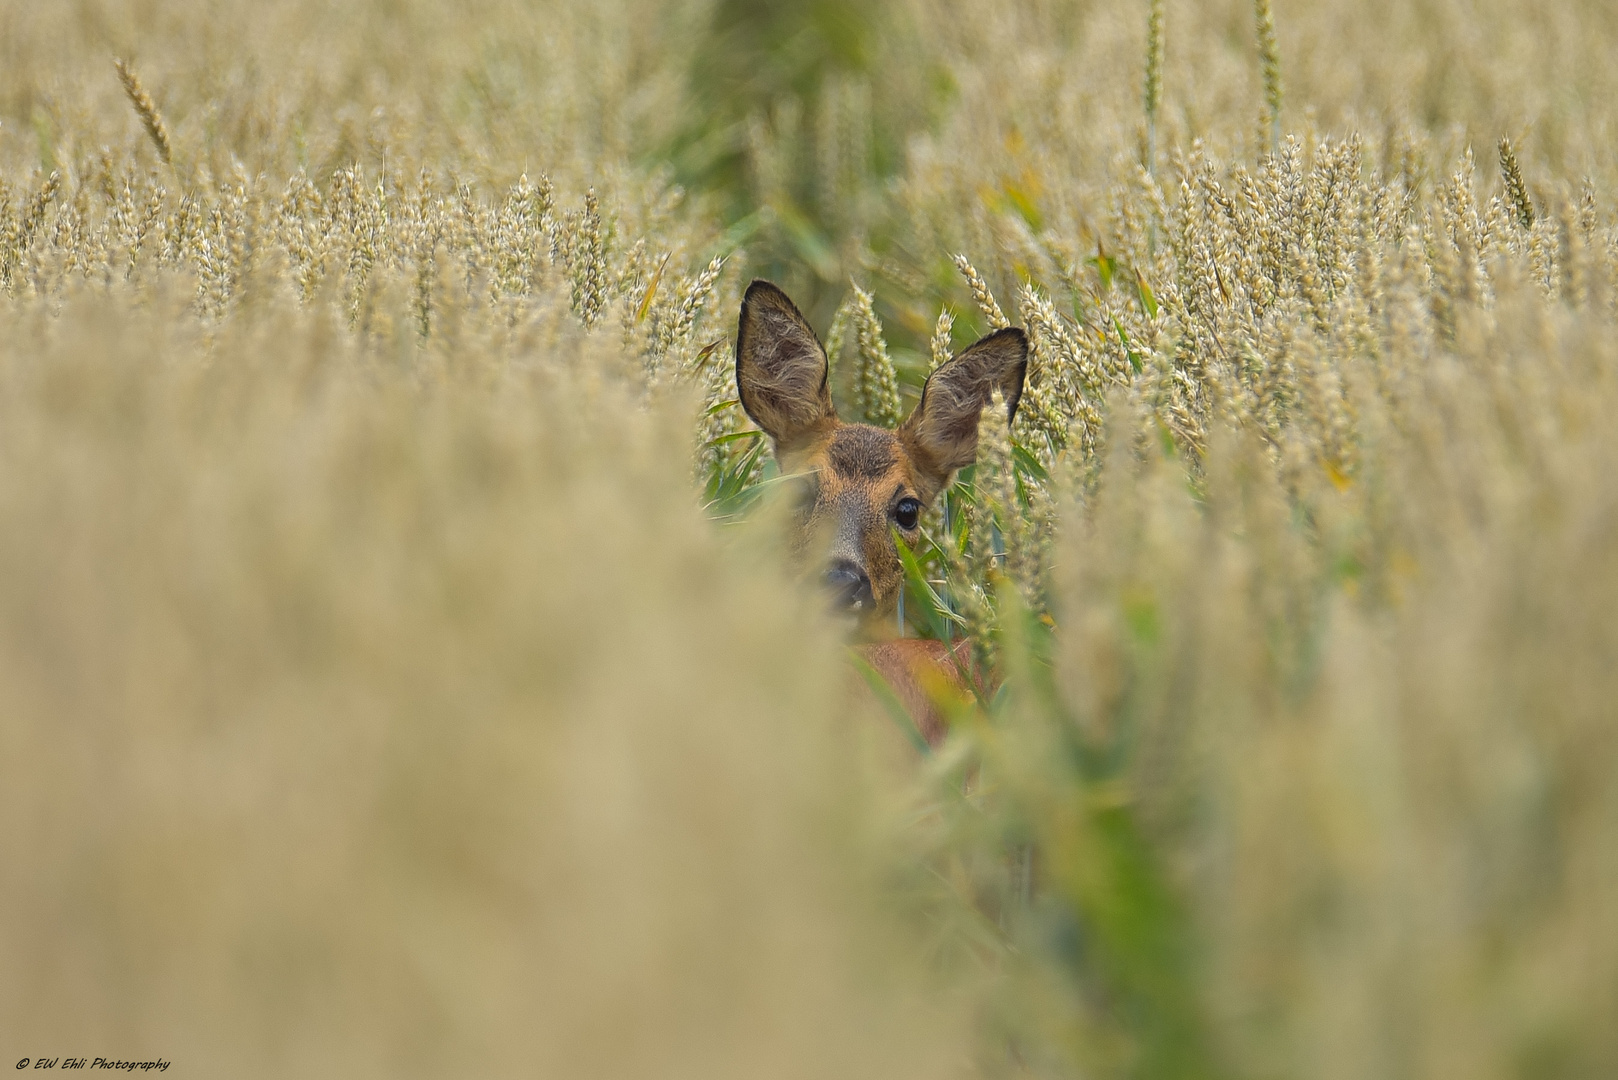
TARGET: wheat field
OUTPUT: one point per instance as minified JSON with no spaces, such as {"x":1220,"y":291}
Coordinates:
{"x":399,"y":672}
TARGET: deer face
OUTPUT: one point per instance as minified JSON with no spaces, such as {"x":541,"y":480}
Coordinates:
{"x":862,"y":485}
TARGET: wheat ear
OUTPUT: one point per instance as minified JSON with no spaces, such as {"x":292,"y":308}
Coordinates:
{"x":147,"y":108}
{"x":1516,"y":190}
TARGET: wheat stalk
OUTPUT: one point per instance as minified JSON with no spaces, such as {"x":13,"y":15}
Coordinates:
{"x":980,"y":292}
{"x":942,"y":345}
{"x":1269,"y":52}
{"x":146,"y":109}
{"x":876,"y":382}
{"x":1516,"y":189}
{"x":1153,"y":90}
{"x":589,"y":277}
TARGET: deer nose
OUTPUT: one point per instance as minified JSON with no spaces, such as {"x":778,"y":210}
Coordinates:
{"x":850,"y":588}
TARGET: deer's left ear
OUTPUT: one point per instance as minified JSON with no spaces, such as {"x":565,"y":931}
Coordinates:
{"x":942,"y":434}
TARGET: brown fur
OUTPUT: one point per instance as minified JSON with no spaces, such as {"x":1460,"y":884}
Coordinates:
{"x":858,"y":475}
{"x":928,"y":676}
{"x":861,"y":473}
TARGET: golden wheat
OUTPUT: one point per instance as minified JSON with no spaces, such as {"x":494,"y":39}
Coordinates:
{"x":146,"y":109}
{"x":378,"y":701}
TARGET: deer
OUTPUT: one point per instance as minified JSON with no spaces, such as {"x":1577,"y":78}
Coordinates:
{"x":865,"y":488}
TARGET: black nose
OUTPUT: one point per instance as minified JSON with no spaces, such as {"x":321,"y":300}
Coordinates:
{"x":850,"y":588}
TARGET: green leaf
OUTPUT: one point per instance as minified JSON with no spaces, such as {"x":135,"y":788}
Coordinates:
{"x":1023,"y":203}
{"x":729,"y":492}
{"x":720,"y":406}
{"x":807,"y":242}
{"x":1026,"y":462}
{"x":1165,"y":438}
{"x":707,"y":350}
{"x":1148,"y":299}
{"x":1129,"y":350}
{"x":651,"y":289}
{"x":734,"y":436}
{"x":941,"y":621}
{"x":1106,"y":266}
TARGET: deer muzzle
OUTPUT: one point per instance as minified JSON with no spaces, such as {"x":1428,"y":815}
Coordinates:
{"x":849,"y":586}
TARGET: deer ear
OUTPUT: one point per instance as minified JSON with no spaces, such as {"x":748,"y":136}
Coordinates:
{"x":942,"y":434}
{"x":781,"y":369}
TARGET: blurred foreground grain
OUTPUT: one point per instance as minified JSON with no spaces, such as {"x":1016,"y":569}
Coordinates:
{"x":397,"y":676}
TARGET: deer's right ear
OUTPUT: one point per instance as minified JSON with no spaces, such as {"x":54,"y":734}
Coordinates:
{"x":781,"y":369}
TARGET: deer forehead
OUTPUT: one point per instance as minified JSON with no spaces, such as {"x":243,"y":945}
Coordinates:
{"x":860,"y":458}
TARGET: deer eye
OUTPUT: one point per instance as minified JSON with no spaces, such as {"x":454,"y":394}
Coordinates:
{"x":907,"y":513}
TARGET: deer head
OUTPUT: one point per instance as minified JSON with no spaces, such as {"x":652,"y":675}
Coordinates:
{"x":862,"y":485}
